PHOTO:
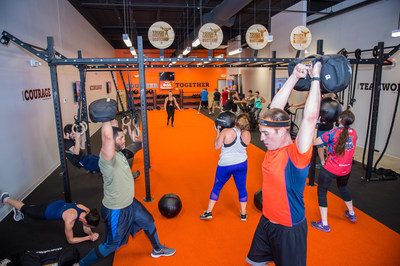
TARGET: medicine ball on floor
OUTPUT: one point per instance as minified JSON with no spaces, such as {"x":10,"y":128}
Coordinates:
{"x":103,"y":110}
{"x":258,"y":199}
{"x":330,"y":110}
{"x":170,"y":205}
{"x":225,"y":120}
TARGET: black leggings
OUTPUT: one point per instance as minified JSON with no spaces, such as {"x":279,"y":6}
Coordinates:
{"x":36,"y":212}
{"x":325,"y":180}
{"x":171,"y":112}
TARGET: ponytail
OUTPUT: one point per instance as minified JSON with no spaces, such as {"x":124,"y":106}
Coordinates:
{"x":347,"y":119}
{"x":341,"y":143}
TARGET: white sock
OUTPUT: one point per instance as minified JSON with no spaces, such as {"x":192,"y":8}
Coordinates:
{"x":324,"y":223}
{"x":351,"y":212}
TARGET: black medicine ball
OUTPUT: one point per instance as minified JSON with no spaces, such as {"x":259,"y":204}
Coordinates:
{"x":103,"y":110}
{"x":170,"y":205}
{"x":225,"y":120}
{"x":330,"y":110}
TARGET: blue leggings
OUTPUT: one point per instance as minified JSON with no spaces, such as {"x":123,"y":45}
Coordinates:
{"x":239,"y":172}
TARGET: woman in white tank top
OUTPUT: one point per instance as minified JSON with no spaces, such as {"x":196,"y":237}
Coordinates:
{"x":233,"y":161}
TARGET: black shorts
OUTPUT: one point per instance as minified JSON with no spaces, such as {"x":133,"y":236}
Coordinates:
{"x":204,"y":104}
{"x":280,"y":244}
{"x":36,"y":212}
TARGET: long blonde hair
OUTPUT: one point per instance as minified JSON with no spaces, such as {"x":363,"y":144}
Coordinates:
{"x":242,"y":122}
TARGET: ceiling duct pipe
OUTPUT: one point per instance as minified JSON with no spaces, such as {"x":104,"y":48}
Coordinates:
{"x":222,"y":15}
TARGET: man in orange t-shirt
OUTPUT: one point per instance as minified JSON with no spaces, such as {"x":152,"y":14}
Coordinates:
{"x":281,"y":235}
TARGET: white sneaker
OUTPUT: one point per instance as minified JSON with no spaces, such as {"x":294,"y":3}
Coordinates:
{"x":18,"y":215}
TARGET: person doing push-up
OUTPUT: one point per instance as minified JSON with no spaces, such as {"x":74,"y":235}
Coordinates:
{"x":70,"y":213}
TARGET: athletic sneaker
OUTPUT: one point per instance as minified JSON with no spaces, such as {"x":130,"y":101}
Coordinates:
{"x":320,"y":226}
{"x":172,"y":125}
{"x":206,"y":215}
{"x":167,"y":123}
{"x":5,"y":262}
{"x":3,"y":197}
{"x":352,"y":218}
{"x":164,"y":251}
{"x":18,"y":215}
{"x":243,"y":217}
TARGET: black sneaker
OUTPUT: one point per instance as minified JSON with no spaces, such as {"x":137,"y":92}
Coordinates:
{"x":164,"y":251}
{"x":243,"y":217}
{"x":206,"y":215}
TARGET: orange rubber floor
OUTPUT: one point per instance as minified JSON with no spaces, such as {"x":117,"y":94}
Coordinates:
{"x":184,"y":161}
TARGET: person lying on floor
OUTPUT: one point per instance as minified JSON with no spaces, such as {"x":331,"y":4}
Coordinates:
{"x":74,"y":146}
{"x":70,"y":213}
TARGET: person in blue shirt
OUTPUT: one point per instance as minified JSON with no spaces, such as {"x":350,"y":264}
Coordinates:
{"x":70,"y":213}
{"x":204,"y":101}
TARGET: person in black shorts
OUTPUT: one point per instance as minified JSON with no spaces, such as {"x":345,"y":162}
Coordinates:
{"x":70,"y":213}
{"x":231,"y":103}
{"x":169,"y":106}
{"x":281,"y":234}
{"x":74,"y":146}
{"x":204,"y":101}
{"x":216,"y":100}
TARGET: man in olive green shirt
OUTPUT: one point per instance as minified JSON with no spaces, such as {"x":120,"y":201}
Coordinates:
{"x":121,"y":212}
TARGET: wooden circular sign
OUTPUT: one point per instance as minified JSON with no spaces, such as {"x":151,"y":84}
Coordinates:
{"x":300,"y":37}
{"x":257,"y":36}
{"x":210,"y":36}
{"x":161,"y":35}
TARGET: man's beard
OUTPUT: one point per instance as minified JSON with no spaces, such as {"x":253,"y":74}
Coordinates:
{"x":119,"y":147}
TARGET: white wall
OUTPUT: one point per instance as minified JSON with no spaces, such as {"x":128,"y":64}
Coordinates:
{"x":363,"y":28}
{"x":29,"y":139}
{"x":360,"y":28}
{"x":259,"y":79}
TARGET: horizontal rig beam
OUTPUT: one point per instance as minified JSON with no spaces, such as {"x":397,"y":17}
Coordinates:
{"x":134,"y":61}
{"x":224,"y":62}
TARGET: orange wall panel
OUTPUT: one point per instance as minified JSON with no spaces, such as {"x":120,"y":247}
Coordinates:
{"x":190,"y":80}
